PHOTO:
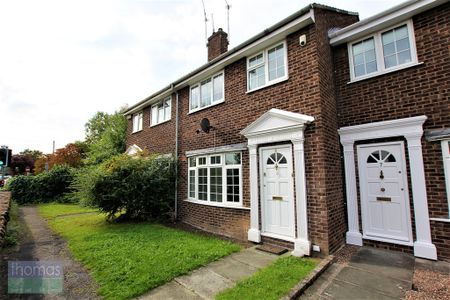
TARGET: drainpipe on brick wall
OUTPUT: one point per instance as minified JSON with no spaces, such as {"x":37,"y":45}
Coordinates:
{"x":176,"y":157}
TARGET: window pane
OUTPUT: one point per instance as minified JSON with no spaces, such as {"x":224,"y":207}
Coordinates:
{"x":205,"y":93}
{"x":202,"y":160}
{"x":233,"y":185}
{"x":167,"y":109}
{"x":396,"y":47}
{"x":233,"y":158}
{"x":140,"y":115}
{"x":257,"y":78}
{"x":160,"y":113}
{"x":192,"y":183}
{"x":154,"y":115}
{"x":364,"y":58}
{"x":194,"y":97}
{"x":276,"y":62}
{"x":215,"y":160}
{"x":202,"y":184}
{"x":218,"y":88}
{"x":215,"y":183}
{"x":256,"y":60}
{"x":191,"y":161}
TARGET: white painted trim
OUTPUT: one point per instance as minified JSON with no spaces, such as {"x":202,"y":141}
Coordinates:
{"x":440,"y":220}
{"x":364,"y":207}
{"x":390,"y":70}
{"x":381,"y":68}
{"x":207,"y":203}
{"x":411,"y":129}
{"x":220,"y":149}
{"x":278,"y":131}
{"x":446,"y":161}
{"x":382,"y":20}
{"x":277,"y":35}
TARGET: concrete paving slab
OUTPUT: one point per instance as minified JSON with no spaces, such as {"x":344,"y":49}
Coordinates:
{"x":254,"y":258}
{"x":346,"y":291}
{"x":386,"y":285}
{"x":204,"y":282}
{"x":170,"y":291}
{"x":231,"y":269}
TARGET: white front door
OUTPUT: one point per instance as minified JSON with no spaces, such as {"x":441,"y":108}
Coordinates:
{"x":277,"y":191}
{"x":384,"y":193}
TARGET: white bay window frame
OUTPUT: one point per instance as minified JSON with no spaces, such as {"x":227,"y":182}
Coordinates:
{"x":198,"y":87}
{"x":198,"y":164}
{"x":164,"y":106}
{"x":265,"y":65}
{"x":379,"y":52}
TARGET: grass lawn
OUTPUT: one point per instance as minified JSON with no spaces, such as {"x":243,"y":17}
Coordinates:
{"x":271,"y":282}
{"x":129,"y":259}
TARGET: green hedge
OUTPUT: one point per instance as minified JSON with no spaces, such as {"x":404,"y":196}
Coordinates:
{"x":135,"y":188}
{"x":51,"y":186}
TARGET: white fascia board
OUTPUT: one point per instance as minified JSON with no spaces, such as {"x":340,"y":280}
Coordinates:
{"x":382,"y":20}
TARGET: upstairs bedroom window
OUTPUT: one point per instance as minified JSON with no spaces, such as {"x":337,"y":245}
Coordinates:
{"x":267,"y":67}
{"x":137,"y":122}
{"x":208,"y":92}
{"x":161,"y":112}
{"x":445,"y":145}
{"x":216,"y":179}
{"x":383,"y":52}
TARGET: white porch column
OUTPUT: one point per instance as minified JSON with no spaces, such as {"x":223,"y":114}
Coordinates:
{"x":423,"y":246}
{"x":353,"y":235}
{"x":254,"y":234}
{"x":302,"y":245}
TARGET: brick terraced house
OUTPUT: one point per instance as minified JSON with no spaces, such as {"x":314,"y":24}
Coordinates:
{"x":319,"y":131}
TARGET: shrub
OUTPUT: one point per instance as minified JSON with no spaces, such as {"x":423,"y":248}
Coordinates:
{"x":45,"y":187}
{"x":140,"y":188}
{"x":83,"y":184}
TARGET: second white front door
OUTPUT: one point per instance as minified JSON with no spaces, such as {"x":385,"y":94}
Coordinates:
{"x":277,"y":191}
{"x":384,"y":193}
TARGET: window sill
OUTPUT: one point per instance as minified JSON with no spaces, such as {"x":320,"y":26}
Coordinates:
{"x":137,"y":131}
{"x":376,"y":74}
{"x":440,"y":220}
{"x":268,"y":84}
{"x":160,"y":123}
{"x":205,"y":107}
{"x":236,"y":206}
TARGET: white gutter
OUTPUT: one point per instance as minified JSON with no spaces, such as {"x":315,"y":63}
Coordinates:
{"x":275,"y":36}
{"x":382,"y":20}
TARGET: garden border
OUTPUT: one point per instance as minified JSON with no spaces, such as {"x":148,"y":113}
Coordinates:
{"x":5,"y":204}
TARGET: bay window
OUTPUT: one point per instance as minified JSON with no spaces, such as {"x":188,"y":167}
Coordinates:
{"x":267,"y":67}
{"x":207,"y":93}
{"x":216,"y":179}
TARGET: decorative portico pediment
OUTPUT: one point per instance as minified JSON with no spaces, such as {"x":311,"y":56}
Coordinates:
{"x":276,"y":120}
{"x":133,"y":150}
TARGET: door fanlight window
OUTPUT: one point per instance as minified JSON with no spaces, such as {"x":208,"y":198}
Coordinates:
{"x":380,"y":156}
{"x":276,"y":158}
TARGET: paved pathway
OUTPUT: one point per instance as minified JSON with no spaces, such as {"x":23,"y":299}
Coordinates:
{"x":38,"y":242}
{"x":206,"y":282}
{"x":370,"y":274}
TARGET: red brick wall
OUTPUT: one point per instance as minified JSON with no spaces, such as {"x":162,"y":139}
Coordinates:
{"x":420,"y":90}
{"x":159,"y":138}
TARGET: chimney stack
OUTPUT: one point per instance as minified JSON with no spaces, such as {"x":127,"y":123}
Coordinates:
{"x":217,"y":44}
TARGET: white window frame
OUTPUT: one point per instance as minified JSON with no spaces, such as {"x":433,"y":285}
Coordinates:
{"x":140,"y":116}
{"x":381,"y":69}
{"x":446,"y":161}
{"x":198,"y":85}
{"x":166,"y":118}
{"x":208,"y":166}
{"x":265,"y":54}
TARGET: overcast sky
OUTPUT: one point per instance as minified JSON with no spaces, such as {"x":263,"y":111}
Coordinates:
{"x":63,"y":60}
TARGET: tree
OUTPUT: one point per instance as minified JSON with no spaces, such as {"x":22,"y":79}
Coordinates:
{"x":70,"y":155}
{"x":35,"y":154}
{"x":105,"y":136}
{"x":19,"y":164}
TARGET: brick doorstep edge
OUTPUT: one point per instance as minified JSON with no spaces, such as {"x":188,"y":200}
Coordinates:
{"x":5,"y":202}
{"x":297,"y":290}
